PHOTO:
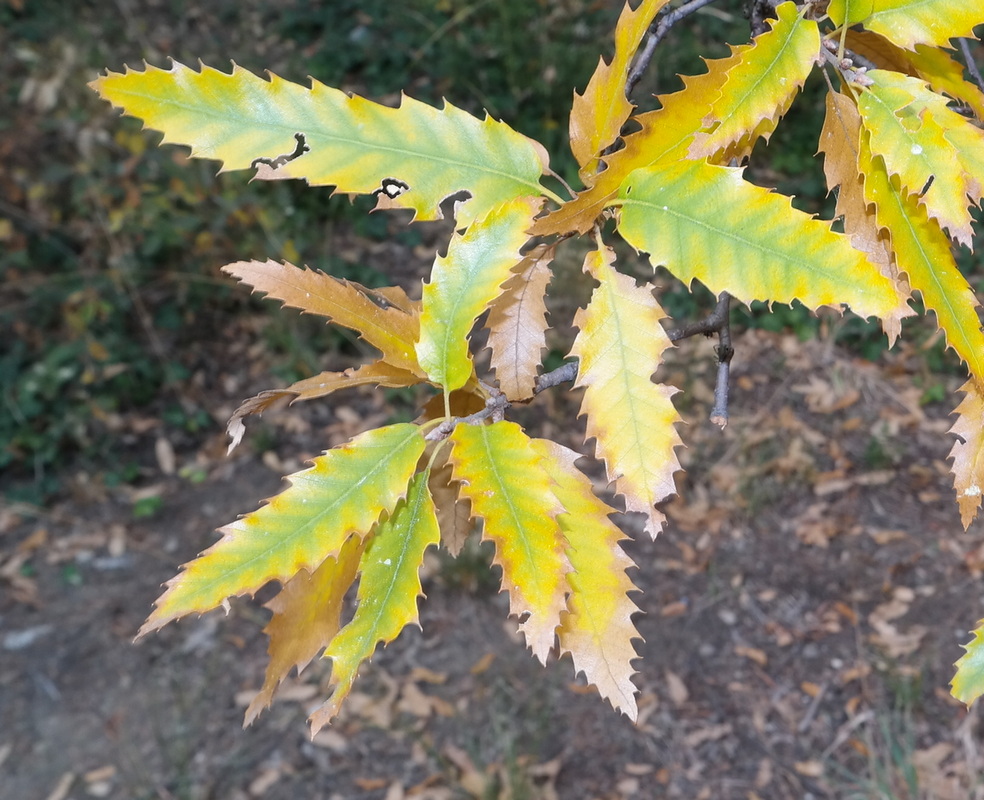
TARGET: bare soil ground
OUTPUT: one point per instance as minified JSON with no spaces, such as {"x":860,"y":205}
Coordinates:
{"x":801,"y":615}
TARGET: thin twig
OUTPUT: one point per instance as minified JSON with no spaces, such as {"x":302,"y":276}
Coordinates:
{"x":971,"y":64}
{"x":495,"y":408}
{"x":718,"y":321}
{"x":657,"y":32}
{"x":719,"y":414}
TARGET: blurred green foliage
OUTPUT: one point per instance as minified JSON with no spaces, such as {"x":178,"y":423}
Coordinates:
{"x":110,"y":294}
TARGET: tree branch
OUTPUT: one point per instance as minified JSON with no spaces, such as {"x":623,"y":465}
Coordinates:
{"x":657,"y":32}
{"x":971,"y":64}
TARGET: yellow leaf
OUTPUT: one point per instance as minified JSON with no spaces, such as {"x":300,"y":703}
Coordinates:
{"x":305,"y":618}
{"x":597,"y":116}
{"x":500,"y":472}
{"x":597,"y":630}
{"x":619,"y":347}
{"x":517,"y":324}
{"x":761,"y":84}
{"x":344,"y":493}
{"x":968,"y":451}
{"x":664,"y":136}
{"x":462,"y":285}
{"x":923,"y":253}
{"x":704,"y":222}
{"x":413,"y":156}
{"x":388,"y":590}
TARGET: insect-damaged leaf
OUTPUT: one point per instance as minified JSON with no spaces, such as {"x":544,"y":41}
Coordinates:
{"x":597,"y":629}
{"x":704,"y":222}
{"x":388,"y":590}
{"x":413,"y":156}
{"x":462,"y":285}
{"x":343,"y":494}
{"x":500,"y":473}
{"x":619,"y":347}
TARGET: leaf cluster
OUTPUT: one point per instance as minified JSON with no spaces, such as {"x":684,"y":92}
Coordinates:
{"x":902,"y":147}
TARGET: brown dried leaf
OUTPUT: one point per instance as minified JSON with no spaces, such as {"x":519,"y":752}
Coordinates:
{"x":517,"y":324}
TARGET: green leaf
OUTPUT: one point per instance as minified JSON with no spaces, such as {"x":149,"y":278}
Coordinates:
{"x":906,"y":126}
{"x":462,"y":285}
{"x":968,"y":682}
{"x":850,"y":12}
{"x":344,"y":493}
{"x":388,"y":592}
{"x":501,"y":474}
{"x":413,"y":156}
{"x":704,"y":222}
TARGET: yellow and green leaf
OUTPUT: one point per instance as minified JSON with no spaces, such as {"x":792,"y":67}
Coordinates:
{"x":597,"y":115}
{"x":388,"y":590}
{"x":620,"y":345}
{"x":462,"y":285}
{"x":517,"y":324}
{"x":501,"y":473}
{"x":704,"y":222}
{"x":902,"y":119}
{"x":413,"y":156}
{"x":908,"y":23}
{"x":342,"y":495}
{"x":597,"y":630}
{"x":760,"y":85}
{"x":923,"y":253}
{"x":968,"y":683}
{"x":306,"y":617}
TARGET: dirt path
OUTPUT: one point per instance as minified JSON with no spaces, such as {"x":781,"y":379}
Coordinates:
{"x":801,"y":616}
